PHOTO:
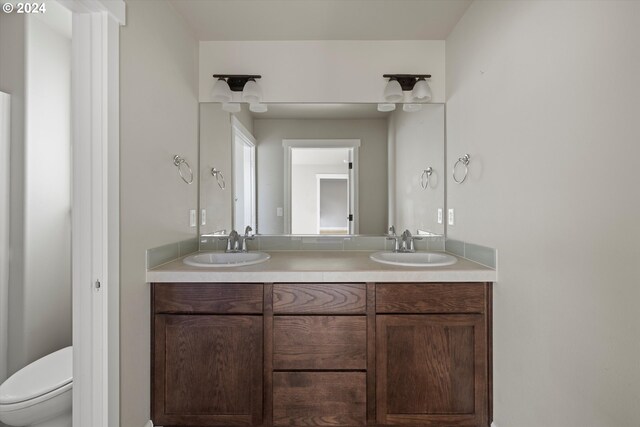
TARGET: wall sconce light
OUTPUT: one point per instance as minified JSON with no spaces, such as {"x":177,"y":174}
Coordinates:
{"x":400,"y":83}
{"x":226,"y":84}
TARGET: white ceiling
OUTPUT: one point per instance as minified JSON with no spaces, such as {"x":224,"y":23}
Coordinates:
{"x":321,"y":19}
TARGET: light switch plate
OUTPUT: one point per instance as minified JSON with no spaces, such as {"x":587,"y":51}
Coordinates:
{"x":193,"y":220}
{"x":203,"y":217}
{"x":279,"y":212}
{"x":440,"y":214}
{"x":451,"y":218}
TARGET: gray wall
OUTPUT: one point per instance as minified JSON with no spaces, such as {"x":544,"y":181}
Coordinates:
{"x":47,"y":277}
{"x":13,"y":76}
{"x":215,"y":152}
{"x":159,"y":118}
{"x":418,"y":143}
{"x":35,"y":70}
{"x":333,"y":203}
{"x":373,"y":166}
{"x":544,"y":96}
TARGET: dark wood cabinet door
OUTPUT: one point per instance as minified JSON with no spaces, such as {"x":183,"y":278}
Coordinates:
{"x":431,"y":370}
{"x":207,"y":370}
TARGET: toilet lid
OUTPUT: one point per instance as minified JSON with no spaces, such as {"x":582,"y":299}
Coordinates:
{"x":39,"y":378}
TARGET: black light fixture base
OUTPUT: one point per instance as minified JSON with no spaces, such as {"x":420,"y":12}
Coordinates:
{"x":236,"y":82}
{"x":407,"y":81}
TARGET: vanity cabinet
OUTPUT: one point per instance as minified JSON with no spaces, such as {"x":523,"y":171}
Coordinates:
{"x":321,"y":354}
{"x":207,"y":355}
{"x":432,"y":354}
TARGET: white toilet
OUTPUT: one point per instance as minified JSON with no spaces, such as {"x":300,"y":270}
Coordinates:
{"x":39,"y":395}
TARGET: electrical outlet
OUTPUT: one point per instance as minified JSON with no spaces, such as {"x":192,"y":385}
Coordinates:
{"x":193,"y":220}
{"x":440,"y":214}
{"x":203,"y":217}
{"x":279,"y":212}
{"x":451,"y":218}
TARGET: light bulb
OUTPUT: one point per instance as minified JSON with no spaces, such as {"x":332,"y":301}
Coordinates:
{"x":251,"y":92}
{"x":421,"y":91}
{"x":221,"y":91}
{"x":393,"y":91}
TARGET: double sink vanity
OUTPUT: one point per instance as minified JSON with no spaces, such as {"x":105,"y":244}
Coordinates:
{"x":275,"y":332}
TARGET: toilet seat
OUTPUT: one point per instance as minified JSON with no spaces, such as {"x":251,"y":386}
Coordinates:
{"x":9,"y":407}
{"x":40,"y":381}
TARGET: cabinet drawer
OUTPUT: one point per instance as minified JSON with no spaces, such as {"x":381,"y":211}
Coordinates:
{"x":322,"y":298}
{"x":320,"y":342}
{"x":319,"y":399}
{"x":430,"y":298}
{"x":212,"y":298}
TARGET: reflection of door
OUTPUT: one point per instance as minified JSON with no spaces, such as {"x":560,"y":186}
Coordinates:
{"x":305,"y":162}
{"x":333,"y":203}
{"x":244,"y":188}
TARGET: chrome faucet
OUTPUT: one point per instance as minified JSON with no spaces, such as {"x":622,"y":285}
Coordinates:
{"x":407,"y":241}
{"x":233,"y":242}
{"x":393,"y":236}
{"x":243,"y":246}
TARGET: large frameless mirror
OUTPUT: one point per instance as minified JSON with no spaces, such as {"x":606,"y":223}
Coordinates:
{"x":322,"y":169}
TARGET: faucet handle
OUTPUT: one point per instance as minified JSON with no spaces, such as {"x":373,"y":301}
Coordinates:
{"x":392,"y":231}
{"x":247,"y":230}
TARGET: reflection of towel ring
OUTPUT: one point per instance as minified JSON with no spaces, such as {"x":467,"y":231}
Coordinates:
{"x":179,"y":161}
{"x":465,"y":162}
{"x":425,"y":174}
{"x":219,"y":178}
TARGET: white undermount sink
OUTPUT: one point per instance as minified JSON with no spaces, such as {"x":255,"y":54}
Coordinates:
{"x":414,"y":259}
{"x":224,"y":259}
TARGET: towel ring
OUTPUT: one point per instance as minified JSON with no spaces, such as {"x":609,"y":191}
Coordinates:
{"x":464,"y":160}
{"x":179,"y":161}
{"x":425,"y":174}
{"x":219,"y":178}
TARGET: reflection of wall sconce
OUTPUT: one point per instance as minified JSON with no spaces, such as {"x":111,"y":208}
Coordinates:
{"x":226,"y":84}
{"x":399,"y":83}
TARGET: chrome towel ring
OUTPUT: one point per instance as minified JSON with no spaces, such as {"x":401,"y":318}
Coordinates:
{"x":464,"y":160}
{"x":424,"y":183}
{"x":219,"y":178}
{"x":179,"y":161}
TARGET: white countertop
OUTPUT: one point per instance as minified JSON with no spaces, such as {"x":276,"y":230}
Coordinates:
{"x":321,"y":266}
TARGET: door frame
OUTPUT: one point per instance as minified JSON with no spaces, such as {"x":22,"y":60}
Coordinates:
{"x":95,"y":209}
{"x":289,"y":144}
{"x":240,"y":131}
